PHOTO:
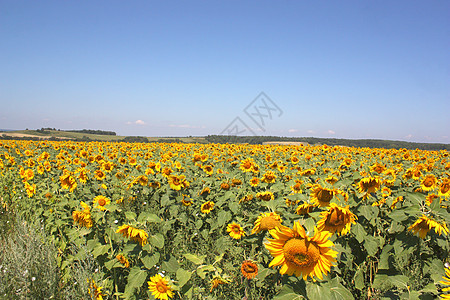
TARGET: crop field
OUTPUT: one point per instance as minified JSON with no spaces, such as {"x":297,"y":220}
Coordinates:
{"x":104,"y":220}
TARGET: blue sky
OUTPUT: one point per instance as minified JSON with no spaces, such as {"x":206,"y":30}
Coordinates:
{"x":343,"y":69}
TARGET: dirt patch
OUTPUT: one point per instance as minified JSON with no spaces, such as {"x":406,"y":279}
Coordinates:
{"x":13,"y":134}
{"x":286,"y":143}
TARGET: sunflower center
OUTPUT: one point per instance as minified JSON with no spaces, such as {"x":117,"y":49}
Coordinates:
{"x":301,"y":253}
{"x":336,"y":218}
{"x":101,"y":202}
{"x":423,"y":225}
{"x":161,"y":287}
{"x":324,"y":195}
{"x":268,"y":223}
{"x":249,"y":268}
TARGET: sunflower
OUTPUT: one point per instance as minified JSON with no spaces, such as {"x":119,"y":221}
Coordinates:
{"x":249,"y":269}
{"x":424,"y":224}
{"x":331,"y":179}
{"x":336,"y":219}
{"x":205,"y":191}
{"x":178,"y":182}
{"x":266,"y":196}
{"x":369,"y":185}
{"x":246,"y":198}
{"x":446,"y":282}
{"x":235,"y":230}
{"x":207,"y":207}
{"x":83,"y":218}
{"x":216,"y":281}
{"x":208,"y":170}
{"x":300,"y":254}
{"x":297,"y":188}
{"x":95,"y":291}
{"x":396,"y":200}
{"x":254,"y":182}
{"x":68,"y":182}
{"x":186,"y":201}
{"x":30,"y":188}
{"x":444,"y":188}
{"x":101,"y":201}
{"x":266,"y":222}
{"x":123,"y":260}
{"x":134,"y":234}
{"x":304,"y":209}
{"x":247,"y":165}
{"x":99,"y":175}
{"x":321,"y":196}
{"x":269,"y":177}
{"x":225,"y":186}
{"x":428,"y":183}
{"x":160,"y":287}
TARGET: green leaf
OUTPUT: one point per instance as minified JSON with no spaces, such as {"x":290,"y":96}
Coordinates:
{"x":113,"y":263}
{"x":100,"y":249}
{"x":150,"y":261}
{"x":318,"y":291}
{"x":183,"y":276}
{"x":194,"y":258}
{"x":371,"y":245}
{"x":384,"y":258}
{"x":398,"y":215}
{"x":170,"y":265}
{"x":157,"y":240}
{"x":234,"y":207}
{"x":148,"y":217}
{"x":359,"y":279}
{"x":359,"y":232}
{"x":136,"y":279}
{"x":223,"y":217}
{"x":287,"y":293}
{"x":339,"y":292}
{"x":130,"y":216}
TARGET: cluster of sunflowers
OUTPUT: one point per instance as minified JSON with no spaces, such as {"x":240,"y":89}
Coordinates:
{"x":229,"y":220}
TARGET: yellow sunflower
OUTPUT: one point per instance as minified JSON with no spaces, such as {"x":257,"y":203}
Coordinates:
{"x":424,"y":224}
{"x":304,"y":209}
{"x":207,"y":207}
{"x":269,"y":177}
{"x":249,"y":269}
{"x":83,"y":218}
{"x":369,"y":185}
{"x":336,"y":219}
{"x":446,"y":282}
{"x":123,"y":260}
{"x":428,"y":183}
{"x":134,"y":234}
{"x":95,"y":291}
{"x":101,"y":201}
{"x":444,"y":188}
{"x":160,"y":287}
{"x":300,"y":254}
{"x":254,"y":181}
{"x":266,"y":196}
{"x":178,"y":182}
{"x":68,"y":182}
{"x":235,"y":230}
{"x":321,"y":196}
{"x":266,"y":222}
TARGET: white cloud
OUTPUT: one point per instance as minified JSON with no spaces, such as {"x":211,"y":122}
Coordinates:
{"x":138,"y":122}
{"x":311,"y":131}
{"x":292,"y":130}
{"x":409,"y":136}
{"x":331,"y":132}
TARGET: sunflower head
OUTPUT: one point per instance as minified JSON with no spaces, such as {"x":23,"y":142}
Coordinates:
{"x":249,"y":269}
{"x":300,"y":254}
{"x":235,"y":230}
{"x":266,"y":222}
{"x":160,"y":287}
{"x":321,"y":196}
{"x":336,"y":219}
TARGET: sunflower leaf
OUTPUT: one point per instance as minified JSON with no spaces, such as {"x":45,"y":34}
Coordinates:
{"x":157,"y":240}
{"x":198,"y":260}
{"x":183,"y":276}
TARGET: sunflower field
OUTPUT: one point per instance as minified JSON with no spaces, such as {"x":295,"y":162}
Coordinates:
{"x":222,"y":221}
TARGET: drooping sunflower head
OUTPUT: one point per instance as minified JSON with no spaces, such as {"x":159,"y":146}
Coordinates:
{"x":160,"y":287}
{"x":300,"y":254}
{"x":249,"y":269}
{"x":369,"y":185}
{"x":321,"y":196}
{"x":304,"y":209}
{"x":336,"y":219}
{"x":424,"y":224}
{"x":444,"y":188}
{"x":266,"y":196}
{"x":134,"y":234}
{"x":266,"y":222}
